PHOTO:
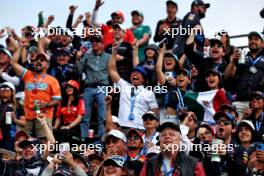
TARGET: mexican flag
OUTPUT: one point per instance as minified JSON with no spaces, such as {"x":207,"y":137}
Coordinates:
{"x":205,"y":104}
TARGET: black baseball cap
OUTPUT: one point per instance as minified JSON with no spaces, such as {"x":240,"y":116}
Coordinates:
{"x":223,"y":114}
{"x":172,"y":3}
{"x":201,"y":3}
{"x":255,"y":33}
{"x":150,"y":114}
{"x":169,"y":125}
{"x":80,"y":157}
{"x":257,"y":94}
{"x":229,"y":107}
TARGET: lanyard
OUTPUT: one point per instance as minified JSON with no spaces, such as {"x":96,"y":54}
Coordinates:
{"x":63,"y":70}
{"x":132,"y":103}
{"x":259,"y":122}
{"x":145,"y":145}
{"x":255,"y":61}
{"x":164,"y":168}
{"x":181,"y":102}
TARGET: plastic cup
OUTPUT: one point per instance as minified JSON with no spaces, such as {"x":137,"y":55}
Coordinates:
{"x":90,"y":133}
{"x":8,"y":119}
{"x":215,"y":146}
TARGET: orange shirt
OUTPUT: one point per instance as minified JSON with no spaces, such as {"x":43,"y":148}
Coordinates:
{"x":43,"y":88}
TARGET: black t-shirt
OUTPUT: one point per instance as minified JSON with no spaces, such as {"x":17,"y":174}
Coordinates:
{"x":249,"y":80}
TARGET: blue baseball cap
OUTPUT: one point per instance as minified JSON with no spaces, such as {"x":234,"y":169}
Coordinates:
{"x":141,"y":70}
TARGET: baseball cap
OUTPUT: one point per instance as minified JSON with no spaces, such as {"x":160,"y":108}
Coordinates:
{"x":119,"y":14}
{"x":200,"y":2}
{"x":5,"y":51}
{"x":255,"y":33}
{"x":33,"y":49}
{"x":141,"y":70}
{"x":21,"y":133}
{"x":73,"y":83}
{"x":216,"y":39}
{"x":172,"y":3}
{"x":184,"y":71}
{"x":96,"y":38}
{"x":95,"y":156}
{"x":223,"y":114}
{"x":249,"y":124}
{"x":169,"y":54}
{"x":117,"y":159}
{"x":212,"y":71}
{"x":8,"y":84}
{"x":154,"y":47}
{"x":43,"y":56}
{"x":115,"y":133}
{"x":257,"y":94}
{"x":25,"y":143}
{"x":169,"y":125}
{"x":150,"y":114}
{"x":135,"y":131}
{"x":229,"y":107}
{"x":137,"y":12}
{"x":119,"y":26}
{"x":80,"y":157}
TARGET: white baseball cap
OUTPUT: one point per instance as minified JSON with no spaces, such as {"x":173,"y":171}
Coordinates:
{"x":116,"y":133}
{"x":8,"y":84}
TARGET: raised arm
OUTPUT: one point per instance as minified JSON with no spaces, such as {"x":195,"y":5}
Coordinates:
{"x":135,"y":53}
{"x":160,"y":75}
{"x":98,"y":4}
{"x":14,"y":62}
{"x":231,"y":68}
{"x":108,"y":118}
{"x":112,"y":65}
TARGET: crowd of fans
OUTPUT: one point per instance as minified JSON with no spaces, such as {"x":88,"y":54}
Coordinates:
{"x":115,"y":104}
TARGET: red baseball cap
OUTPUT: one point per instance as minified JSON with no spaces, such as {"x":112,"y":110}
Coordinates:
{"x":118,"y":13}
{"x":74,"y":84}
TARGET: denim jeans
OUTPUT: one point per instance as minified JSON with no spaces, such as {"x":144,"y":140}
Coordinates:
{"x":92,"y":95}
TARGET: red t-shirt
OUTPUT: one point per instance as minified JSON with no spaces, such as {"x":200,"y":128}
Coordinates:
{"x":108,"y":35}
{"x":70,"y":113}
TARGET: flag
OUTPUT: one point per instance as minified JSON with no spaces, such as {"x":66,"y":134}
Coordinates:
{"x":205,"y":104}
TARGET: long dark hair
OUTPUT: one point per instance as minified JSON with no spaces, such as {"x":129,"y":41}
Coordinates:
{"x":65,"y":97}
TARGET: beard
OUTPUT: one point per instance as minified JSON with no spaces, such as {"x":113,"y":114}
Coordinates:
{"x":201,"y":15}
{"x":254,"y":50}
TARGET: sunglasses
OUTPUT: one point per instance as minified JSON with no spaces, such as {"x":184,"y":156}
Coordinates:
{"x":226,"y":122}
{"x":133,"y":137}
{"x":39,"y":59}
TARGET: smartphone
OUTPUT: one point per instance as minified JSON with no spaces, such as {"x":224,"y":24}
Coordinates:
{"x":168,"y":75}
{"x":260,"y":147}
{"x":163,"y":41}
{"x":63,"y":147}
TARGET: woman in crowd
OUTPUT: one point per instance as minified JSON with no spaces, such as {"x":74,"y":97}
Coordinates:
{"x":166,"y":68}
{"x":10,"y":115}
{"x":69,"y":113}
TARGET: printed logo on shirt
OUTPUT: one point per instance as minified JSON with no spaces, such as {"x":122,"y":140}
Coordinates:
{"x":38,"y":86}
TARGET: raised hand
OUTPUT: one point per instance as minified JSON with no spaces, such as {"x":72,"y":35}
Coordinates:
{"x":98,"y":4}
{"x":72,"y":8}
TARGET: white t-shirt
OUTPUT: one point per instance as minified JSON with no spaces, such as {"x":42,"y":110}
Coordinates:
{"x":144,"y":101}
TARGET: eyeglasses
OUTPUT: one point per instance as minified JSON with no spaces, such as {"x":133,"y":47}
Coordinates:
{"x":4,"y":89}
{"x":226,"y":122}
{"x":133,"y":137}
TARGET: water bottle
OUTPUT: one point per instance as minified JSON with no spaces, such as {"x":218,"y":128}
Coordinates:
{"x":36,"y":107}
